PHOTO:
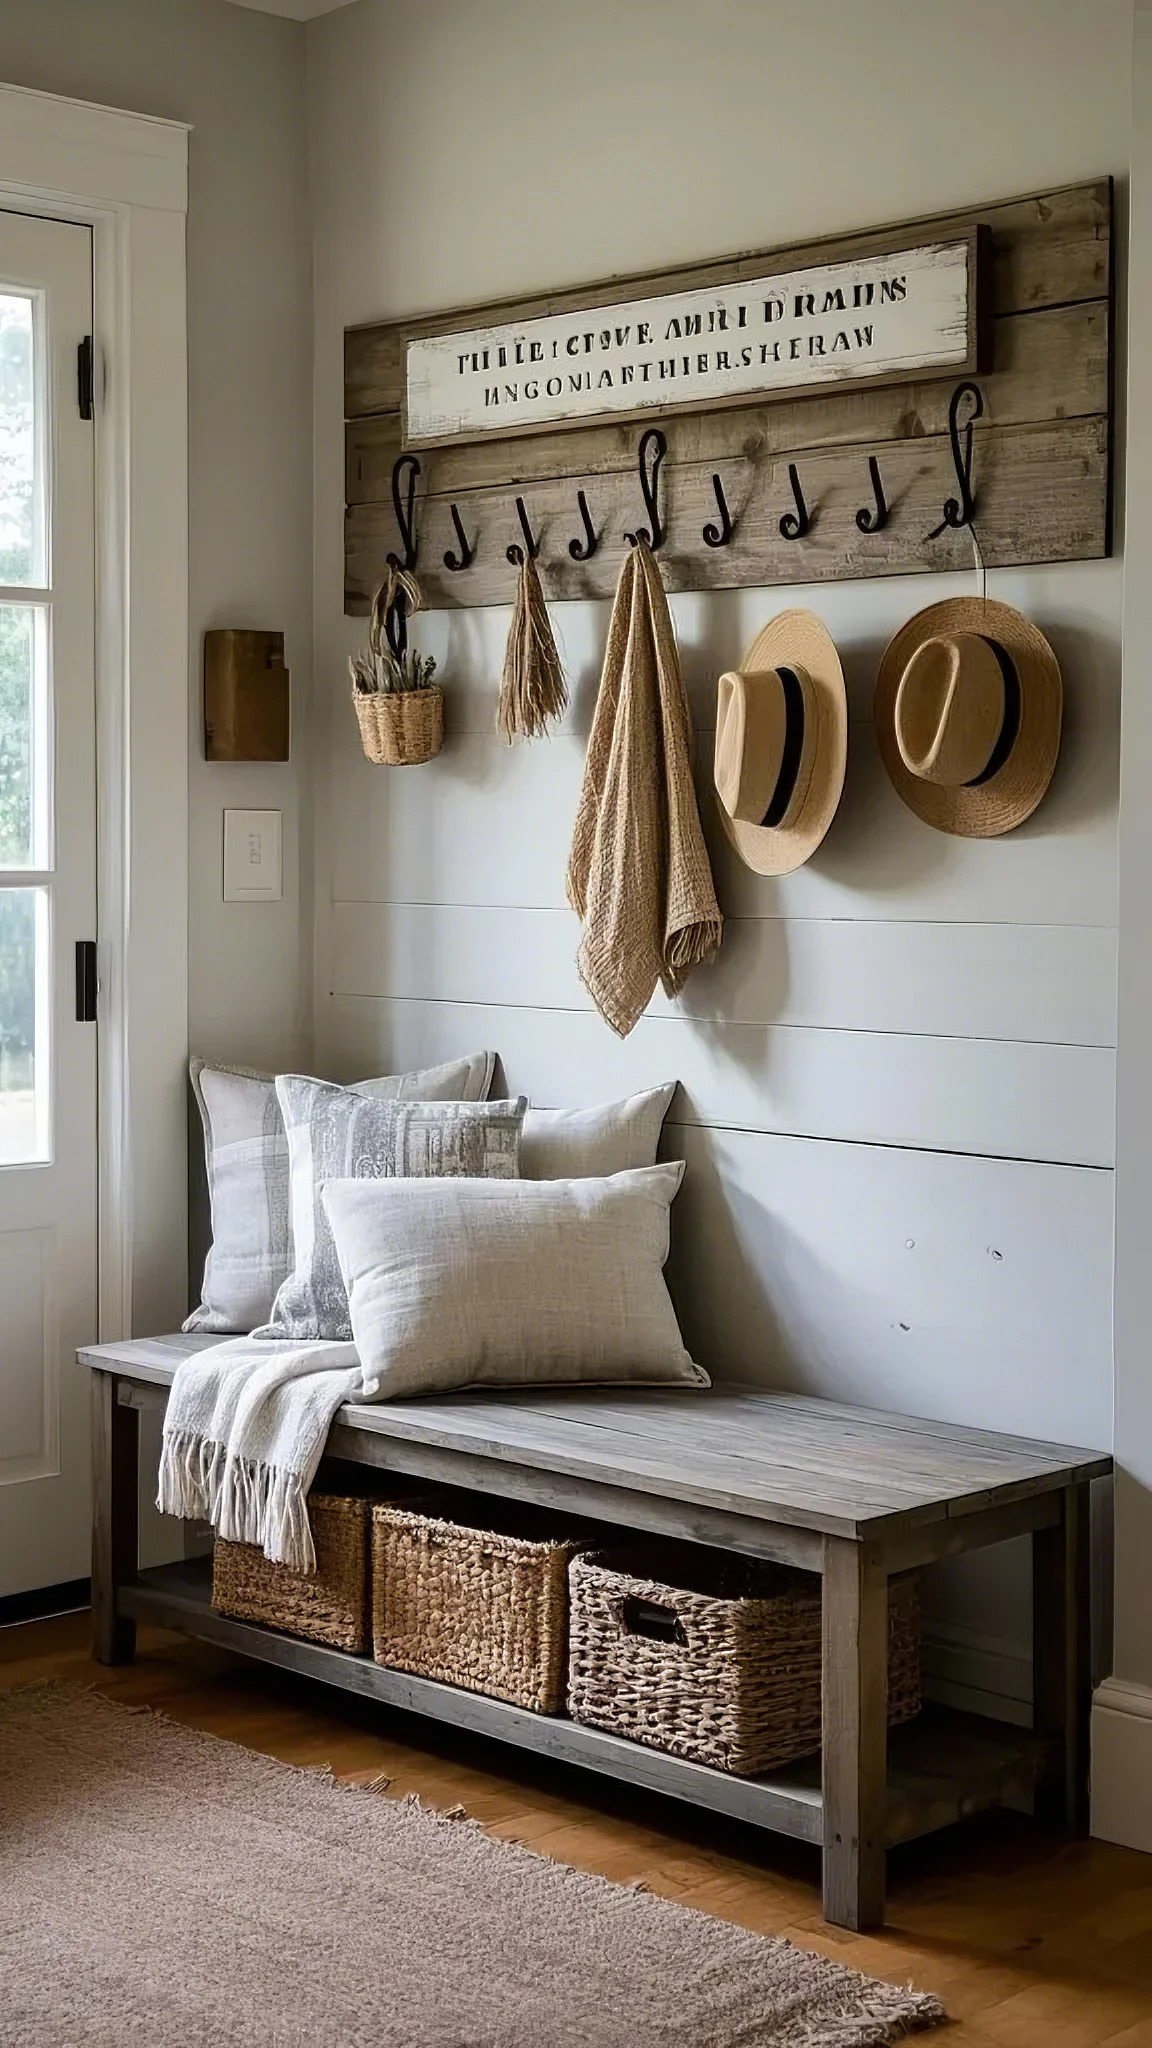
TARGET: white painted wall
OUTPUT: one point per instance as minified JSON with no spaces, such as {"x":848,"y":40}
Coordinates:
{"x":239,"y":79}
{"x":1122,"y":1726}
{"x":898,"y":1079}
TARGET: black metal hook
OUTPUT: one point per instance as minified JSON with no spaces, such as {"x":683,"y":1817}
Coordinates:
{"x":467,"y":553}
{"x":874,"y":518}
{"x":719,"y":536}
{"x":795,"y":525}
{"x":583,"y":550}
{"x":515,"y":552}
{"x":654,"y":534}
{"x":405,"y":513}
{"x":961,"y":511}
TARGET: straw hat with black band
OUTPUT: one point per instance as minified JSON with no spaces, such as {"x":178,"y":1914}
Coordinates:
{"x":968,"y":709}
{"x":781,"y":744}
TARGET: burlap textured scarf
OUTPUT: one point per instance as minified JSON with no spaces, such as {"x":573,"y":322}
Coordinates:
{"x":638,"y":873}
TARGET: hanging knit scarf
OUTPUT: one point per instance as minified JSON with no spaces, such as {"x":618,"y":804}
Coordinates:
{"x":532,"y":688}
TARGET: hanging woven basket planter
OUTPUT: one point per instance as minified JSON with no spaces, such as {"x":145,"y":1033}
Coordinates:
{"x":400,"y":710}
{"x":399,"y":728}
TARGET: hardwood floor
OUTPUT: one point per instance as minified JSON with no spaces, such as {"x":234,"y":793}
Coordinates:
{"x":1031,"y":1941}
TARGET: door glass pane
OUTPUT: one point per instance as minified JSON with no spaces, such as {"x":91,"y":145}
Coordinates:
{"x":23,"y":736}
{"x":23,"y":1020}
{"x":21,"y":496}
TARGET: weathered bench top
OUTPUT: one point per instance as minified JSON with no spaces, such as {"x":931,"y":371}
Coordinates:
{"x":770,"y":1457}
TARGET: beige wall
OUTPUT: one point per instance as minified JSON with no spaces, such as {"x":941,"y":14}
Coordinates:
{"x":904,"y":1061}
{"x":238,"y":78}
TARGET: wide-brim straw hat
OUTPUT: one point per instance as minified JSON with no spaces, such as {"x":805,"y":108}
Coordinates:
{"x":781,"y":743}
{"x":968,"y":708}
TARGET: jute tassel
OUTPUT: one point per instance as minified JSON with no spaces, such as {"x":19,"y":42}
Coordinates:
{"x":532,"y":688}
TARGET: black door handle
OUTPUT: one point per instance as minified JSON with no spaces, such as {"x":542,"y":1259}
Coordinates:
{"x":85,"y":981}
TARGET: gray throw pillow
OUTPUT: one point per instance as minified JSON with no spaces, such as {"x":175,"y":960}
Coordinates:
{"x":246,"y":1163}
{"x":578,"y":1144}
{"x":510,"y":1283}
{"x":336,"y":1134}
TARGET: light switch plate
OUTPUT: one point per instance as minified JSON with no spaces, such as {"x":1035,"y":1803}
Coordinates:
{"x":253,"y":857}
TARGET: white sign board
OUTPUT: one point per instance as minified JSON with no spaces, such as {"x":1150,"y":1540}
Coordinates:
{"x":876,"y":318}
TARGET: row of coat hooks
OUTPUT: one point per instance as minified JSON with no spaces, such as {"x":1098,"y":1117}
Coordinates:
{"x":959,"y":511}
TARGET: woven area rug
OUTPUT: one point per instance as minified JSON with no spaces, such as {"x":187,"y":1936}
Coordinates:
{"x":162,"y":1889}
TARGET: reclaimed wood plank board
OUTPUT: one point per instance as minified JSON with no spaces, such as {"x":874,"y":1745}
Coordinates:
{"x":1049,"y":336}
{"x":1042,"y":496}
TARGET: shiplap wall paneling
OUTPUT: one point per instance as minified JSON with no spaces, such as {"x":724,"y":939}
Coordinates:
{"x":1040,"y":983}
{"x":1018,"y":1101}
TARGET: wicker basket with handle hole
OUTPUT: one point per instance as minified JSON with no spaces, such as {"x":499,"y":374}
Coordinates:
{"x":711,"y":1658}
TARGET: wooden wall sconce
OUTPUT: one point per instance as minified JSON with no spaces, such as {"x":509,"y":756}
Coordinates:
{"x":246,"y":703}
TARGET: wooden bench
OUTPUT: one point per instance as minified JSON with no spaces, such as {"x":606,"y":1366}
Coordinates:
{"x":854,"y":1494}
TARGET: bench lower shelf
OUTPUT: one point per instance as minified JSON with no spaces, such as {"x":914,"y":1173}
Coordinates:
{"x":942,"y":1766}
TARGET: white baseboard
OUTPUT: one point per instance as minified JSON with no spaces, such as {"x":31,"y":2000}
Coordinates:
{"x":1122,"y":1763}
{"x":982,"y":1674}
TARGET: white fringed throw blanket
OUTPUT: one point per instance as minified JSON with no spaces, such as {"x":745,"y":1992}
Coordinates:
{"x":244,"y":1431}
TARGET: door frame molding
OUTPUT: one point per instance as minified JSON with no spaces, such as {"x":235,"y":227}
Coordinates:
{"x":126,"y":176}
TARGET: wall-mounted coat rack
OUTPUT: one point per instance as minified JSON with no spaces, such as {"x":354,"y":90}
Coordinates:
{"x":794,"y":524}
{"x":843,"y":481}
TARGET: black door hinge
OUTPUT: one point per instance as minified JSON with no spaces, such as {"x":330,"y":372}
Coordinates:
{"x":85,"y":385}
{"x":85,"y":981}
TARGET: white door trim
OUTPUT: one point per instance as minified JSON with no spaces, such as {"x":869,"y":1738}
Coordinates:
{"x":126,"y":175}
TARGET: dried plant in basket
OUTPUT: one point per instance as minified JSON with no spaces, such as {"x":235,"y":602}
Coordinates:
{"x":399,"y":708}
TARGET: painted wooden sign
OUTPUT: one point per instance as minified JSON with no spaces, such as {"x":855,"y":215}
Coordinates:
{"x":871,"y":319}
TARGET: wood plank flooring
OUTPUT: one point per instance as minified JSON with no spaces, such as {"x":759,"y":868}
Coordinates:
{"x":1031,"y":1941}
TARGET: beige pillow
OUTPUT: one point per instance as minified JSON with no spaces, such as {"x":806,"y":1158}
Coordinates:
{"x":573,"y":1144}
{"x":456,"y":1283}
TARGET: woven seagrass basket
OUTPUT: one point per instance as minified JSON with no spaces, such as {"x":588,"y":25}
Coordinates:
{"x":711,"y":1658}
{"x":479,"y":1600}
{"x":330,"y":1606}
{"x":400,"y":728}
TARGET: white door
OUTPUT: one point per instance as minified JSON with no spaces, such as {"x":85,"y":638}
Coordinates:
{"x":47,"y":900}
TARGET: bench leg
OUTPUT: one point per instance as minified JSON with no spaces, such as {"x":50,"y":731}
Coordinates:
{"x":1062,"y":1661}
{"x":115,"y":1518}
{"x":855,"y":1752}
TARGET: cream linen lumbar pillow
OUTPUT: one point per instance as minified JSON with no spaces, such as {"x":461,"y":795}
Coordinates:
{"x":334,"y":1133}
{"x":575,"y":1144}
{"x":246,"y":1160}
{"x":510,"y":1283}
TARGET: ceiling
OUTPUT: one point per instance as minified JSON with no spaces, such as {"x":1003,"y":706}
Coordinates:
{"x":296,"y":10}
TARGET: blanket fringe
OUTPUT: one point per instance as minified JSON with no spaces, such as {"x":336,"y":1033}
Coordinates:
{"x":245,"y":1502}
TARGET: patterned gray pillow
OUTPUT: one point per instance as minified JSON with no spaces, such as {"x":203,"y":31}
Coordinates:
{"x":337,"y":1134}
{"x":248,"y":1251}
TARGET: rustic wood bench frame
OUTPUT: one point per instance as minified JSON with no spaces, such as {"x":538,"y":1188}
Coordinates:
{"x":854,"y":1810}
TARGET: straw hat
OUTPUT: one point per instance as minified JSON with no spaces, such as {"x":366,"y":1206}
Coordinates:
{"x":968,"y":705}
{"x":781,"y":744}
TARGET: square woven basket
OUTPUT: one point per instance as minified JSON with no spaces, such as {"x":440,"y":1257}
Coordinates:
{"x":475,"y":1597}
{"x":331,"y":1606}
{"x":714,"y":1659}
